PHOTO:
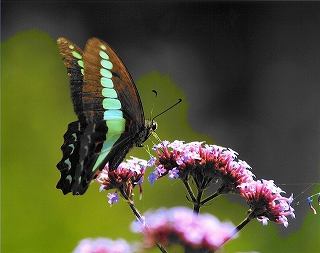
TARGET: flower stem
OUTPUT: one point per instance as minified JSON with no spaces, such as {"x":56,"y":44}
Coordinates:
{"x":189,"y":190}
{"x":242,"y":224}
{"x":197,"y":203}
{"x":135,"y":211}
{"x":238,"y":228}
{"x":161,"y":248}
{"x":216,"y":194}
{"x":139,"y":217}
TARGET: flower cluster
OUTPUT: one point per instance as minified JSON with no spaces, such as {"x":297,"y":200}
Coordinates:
{"x":180,"y":225}
{"x":123,"y":179}
{"x":206,"y":165}
{"x":266,"y":203}
{"x":211,"y":164}
{"x":103,"y":245}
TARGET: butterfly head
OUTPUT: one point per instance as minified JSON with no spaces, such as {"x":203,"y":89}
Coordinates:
{"x":148,"y":129}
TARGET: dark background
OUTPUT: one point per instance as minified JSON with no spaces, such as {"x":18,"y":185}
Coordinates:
{"x":250,"y":71}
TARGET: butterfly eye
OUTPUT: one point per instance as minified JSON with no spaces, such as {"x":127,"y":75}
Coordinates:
{"x":154,"y":126}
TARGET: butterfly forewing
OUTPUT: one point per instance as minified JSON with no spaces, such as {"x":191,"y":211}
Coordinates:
{"x":105,"y":71}
{"x":72,"y":59}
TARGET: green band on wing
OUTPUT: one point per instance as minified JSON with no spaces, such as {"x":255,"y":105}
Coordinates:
{"x":106,"y":82}
{"x":106,"y":64}
{"x":105,"y":73}
{"x":104,"y":55}
{"x":109,"y":93}
{"x":103,"y":47}
{"x":111,"y":103}
{"x":107,"y":146}
{"x":116,"y":126}
{"x":76,"y":55}
{"x":115,"y":129}
{"x":81,"y":64}
{"x":112,"y":114}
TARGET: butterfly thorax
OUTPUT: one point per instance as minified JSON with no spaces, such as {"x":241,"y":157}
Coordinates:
{"x":146,"y":130}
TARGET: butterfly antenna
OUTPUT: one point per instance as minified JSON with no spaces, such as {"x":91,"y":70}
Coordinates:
{"x":154,"y":101}
{"x":179,"y":101}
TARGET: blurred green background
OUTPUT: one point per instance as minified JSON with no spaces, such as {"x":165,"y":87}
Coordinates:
{"x":248,"y":74}
{"x":36,"y":217}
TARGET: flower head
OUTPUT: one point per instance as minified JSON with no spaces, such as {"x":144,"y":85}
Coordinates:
{"x":123,"y":179}
{"x":206,"y":164}
{"x":103,"y":245}
{"x":180,"y":225}
{"x":266,"y":203}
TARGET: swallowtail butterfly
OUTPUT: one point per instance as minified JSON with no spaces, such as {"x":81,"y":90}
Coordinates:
{"x":110,"y":114}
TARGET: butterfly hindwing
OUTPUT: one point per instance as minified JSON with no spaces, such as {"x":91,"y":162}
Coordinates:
{"x":97,"y":151}
{"x":70,"y":158}
{"x":91,"y":142}
{"x":82,"y":150}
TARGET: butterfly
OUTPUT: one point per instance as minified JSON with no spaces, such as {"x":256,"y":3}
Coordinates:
{"x":110,"y":114}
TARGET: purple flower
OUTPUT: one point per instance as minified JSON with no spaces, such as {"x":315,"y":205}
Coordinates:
{"x":103,"y":245}
{"x":159,"y":170}
{"x":113,"y":198}
{"x":151,"y":161}
{"x":180,"y":225}
{"x":204,"y":163}
{"x":124,"y":178}
{"x":152,"y":177}
{"x":266,"y":203}
{"x":173,"y":173}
